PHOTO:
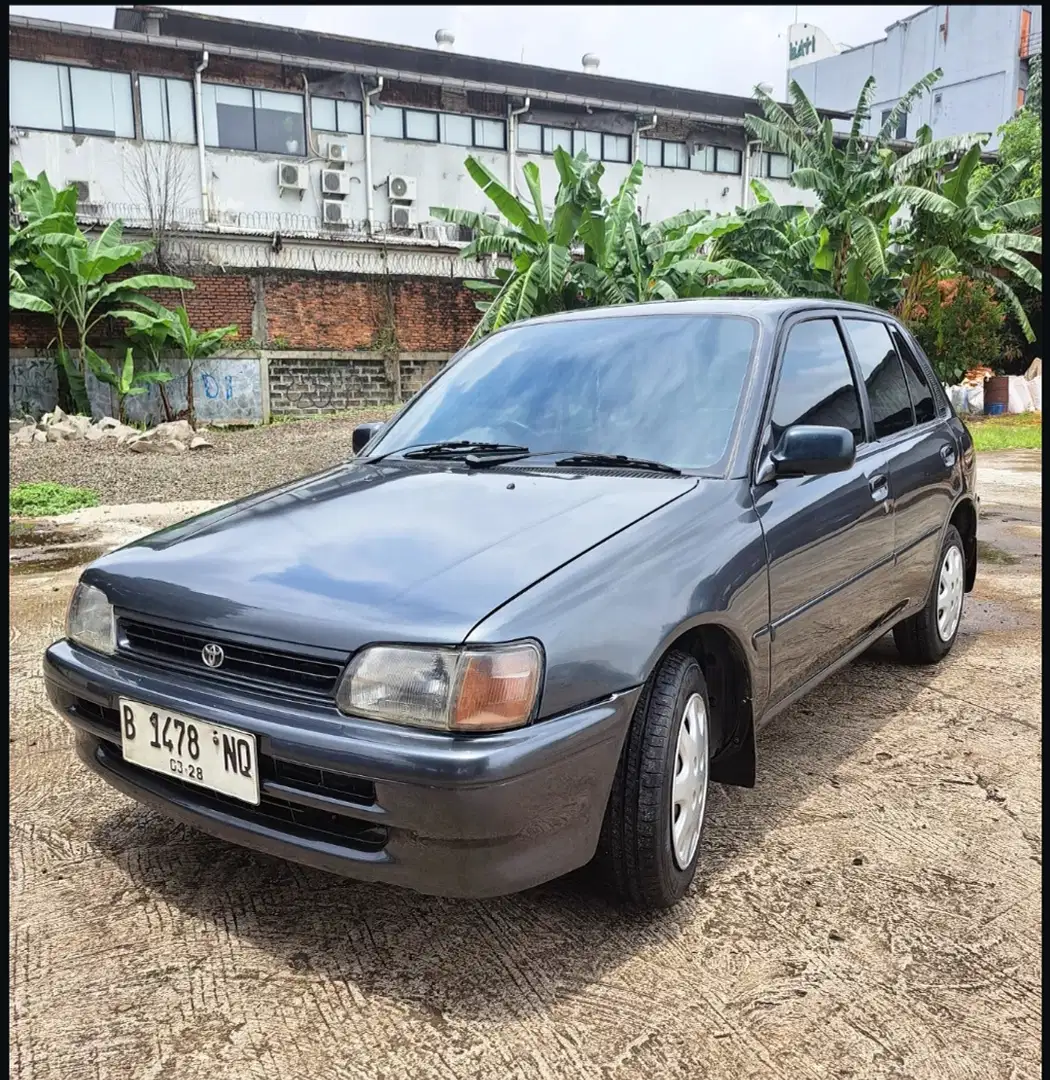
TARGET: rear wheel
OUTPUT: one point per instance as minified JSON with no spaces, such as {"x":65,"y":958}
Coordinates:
{"x":928,"y":636}
{"x":650,"y":838}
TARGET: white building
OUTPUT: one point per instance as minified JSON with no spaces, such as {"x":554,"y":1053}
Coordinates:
{"x":271,"y":129}
{"x":984,"y":52}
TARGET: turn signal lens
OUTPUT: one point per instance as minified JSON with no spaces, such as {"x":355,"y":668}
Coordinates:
{"x":497,"y":690}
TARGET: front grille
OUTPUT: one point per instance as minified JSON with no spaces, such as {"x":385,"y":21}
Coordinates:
{"x":271,"y":669}
{"x":273,"y":810}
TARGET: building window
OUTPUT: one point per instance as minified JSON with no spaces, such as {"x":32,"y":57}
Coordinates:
{"x":328,"y":114}
{"x":457,"y":130}
{"x":590,"y":142}
{"x":530,"y":138}
{"x":676,"y":155}
{"x":422,"y":126}
{"x":774,"y":166}
{"x":902,"y":123}
{"x":236,"y":118}
{"x":651,"y":152}
{"x":388,"y":121}
{"x":554,"y":137}
{"x":55,"y":97}
{"x":167,"y":110}
{"x":727,"y":160}
{"x":491,"y":134}
{"x":616,"y":148}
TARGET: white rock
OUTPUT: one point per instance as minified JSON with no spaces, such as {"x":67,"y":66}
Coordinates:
{"x":109,"y":422}
{"x":26,"y":434}
{"x":54,"y":434}
{"x":79,"y":423}
{"x":39,"y":436}
{"x":64,"y":428}
{"x":198,"y":442}
{"x":93,"y":434}
{"x":173,"y":429}
{"x":156,"y":446}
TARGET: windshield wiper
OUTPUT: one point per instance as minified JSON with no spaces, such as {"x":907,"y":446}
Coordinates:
{"x":462,"y":447}
{"x":474,"y":455}
{"x":618,"y":461}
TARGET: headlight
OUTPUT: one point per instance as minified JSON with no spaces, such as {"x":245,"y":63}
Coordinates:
{"x":467,"y":689}
{"x":89,"y":621}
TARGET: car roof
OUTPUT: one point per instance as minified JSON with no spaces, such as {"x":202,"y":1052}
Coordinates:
{"x":767,"y":310}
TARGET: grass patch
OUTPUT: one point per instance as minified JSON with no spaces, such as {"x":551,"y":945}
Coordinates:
{"x":991,"y":554}
{"x":1022,"y":431}
{"x":44,"y":500}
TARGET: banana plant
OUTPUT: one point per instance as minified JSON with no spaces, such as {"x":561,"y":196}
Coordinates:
{"x":968,"y":226}
{"x":851,"y":177}
{"x":541,"y":278}
{"x":152,"y":320}
{"x":127,"y":382}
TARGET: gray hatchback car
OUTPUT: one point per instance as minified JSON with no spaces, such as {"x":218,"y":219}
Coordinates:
{"x":546,"y":605}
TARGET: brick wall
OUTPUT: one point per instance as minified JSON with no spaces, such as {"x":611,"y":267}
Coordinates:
{"x":344,"y":312}
{"x":217,"y":300}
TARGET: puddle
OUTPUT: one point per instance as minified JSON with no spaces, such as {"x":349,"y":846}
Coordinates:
{"x":48,"y":560}
{"x":35,"y":534}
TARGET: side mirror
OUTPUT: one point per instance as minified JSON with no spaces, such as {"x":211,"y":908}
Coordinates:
{"x":806,"y":450}
{"x":363,"y":434}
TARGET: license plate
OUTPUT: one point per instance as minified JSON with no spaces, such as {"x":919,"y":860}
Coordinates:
{"x":208,"y":755}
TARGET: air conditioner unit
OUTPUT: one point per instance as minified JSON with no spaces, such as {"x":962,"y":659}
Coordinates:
{"x":402,"y":217}
{"x":335,"y":213}
{"x":401,"y":188}
{"x":291,"y":176}
{"x":335,"y":182}
{"x":338,"y":151}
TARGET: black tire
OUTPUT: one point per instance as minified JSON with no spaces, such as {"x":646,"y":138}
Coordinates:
{"x":917,"y":638}
{"x":635,"y":851}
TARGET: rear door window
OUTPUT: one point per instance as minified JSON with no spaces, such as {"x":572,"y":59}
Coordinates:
{"x":816,"y":383}
{"x":883,"y":375}
{"x":918,"y":384}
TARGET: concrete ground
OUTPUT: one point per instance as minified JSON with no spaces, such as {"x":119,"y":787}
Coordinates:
{"x":871,"y":909}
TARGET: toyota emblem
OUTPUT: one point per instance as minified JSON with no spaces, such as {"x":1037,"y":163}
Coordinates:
{"x":213,"y":655}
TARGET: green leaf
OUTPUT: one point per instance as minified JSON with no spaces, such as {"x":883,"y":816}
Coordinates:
{"x":154,"y":376}
{"x":532,"y":180}
{"x":856,"y":290}
{"x":22,"y":301}
{"x":75,"y":378}
{"x":508,"y":205}
{"x":127,"y":375}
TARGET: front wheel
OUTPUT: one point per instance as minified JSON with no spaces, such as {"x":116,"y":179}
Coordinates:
{"x":650,"y":838}
{"x":928,"y":636}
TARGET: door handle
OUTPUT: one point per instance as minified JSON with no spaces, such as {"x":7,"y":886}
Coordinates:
{"x":880,"y":487}
{"x":948,"y":455}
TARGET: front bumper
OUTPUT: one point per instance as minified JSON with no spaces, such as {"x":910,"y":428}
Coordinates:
{"x":445,"y":815}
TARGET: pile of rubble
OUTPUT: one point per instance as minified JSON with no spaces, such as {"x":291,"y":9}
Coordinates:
{"x":175,"y":437}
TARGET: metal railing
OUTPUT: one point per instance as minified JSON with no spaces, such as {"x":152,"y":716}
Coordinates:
{"x":1032,"y":45}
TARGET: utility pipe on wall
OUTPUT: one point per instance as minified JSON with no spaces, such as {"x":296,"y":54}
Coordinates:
{"x":366,"y":112}
{"x":638,"y":129}
{"x":198,"y":102}
{"x":746,"y":171}
{"x":512,"y":143}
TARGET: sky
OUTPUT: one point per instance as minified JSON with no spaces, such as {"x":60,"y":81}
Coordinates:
{"x":725,"y":50}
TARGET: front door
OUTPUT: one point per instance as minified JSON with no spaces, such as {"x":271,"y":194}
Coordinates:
{"x":829,"y":539}
{"x":927,"y":475}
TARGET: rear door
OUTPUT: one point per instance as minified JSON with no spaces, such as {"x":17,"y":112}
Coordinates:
{"x":829,"y":539}
{"x":926,"y":475}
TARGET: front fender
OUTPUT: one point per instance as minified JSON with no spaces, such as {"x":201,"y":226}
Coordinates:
{"x":606,"y":618}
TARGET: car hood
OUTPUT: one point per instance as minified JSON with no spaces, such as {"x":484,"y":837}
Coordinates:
{"x":392,"y":551}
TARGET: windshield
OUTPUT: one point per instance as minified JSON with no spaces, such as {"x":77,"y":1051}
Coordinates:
{"x":662,"y":387}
